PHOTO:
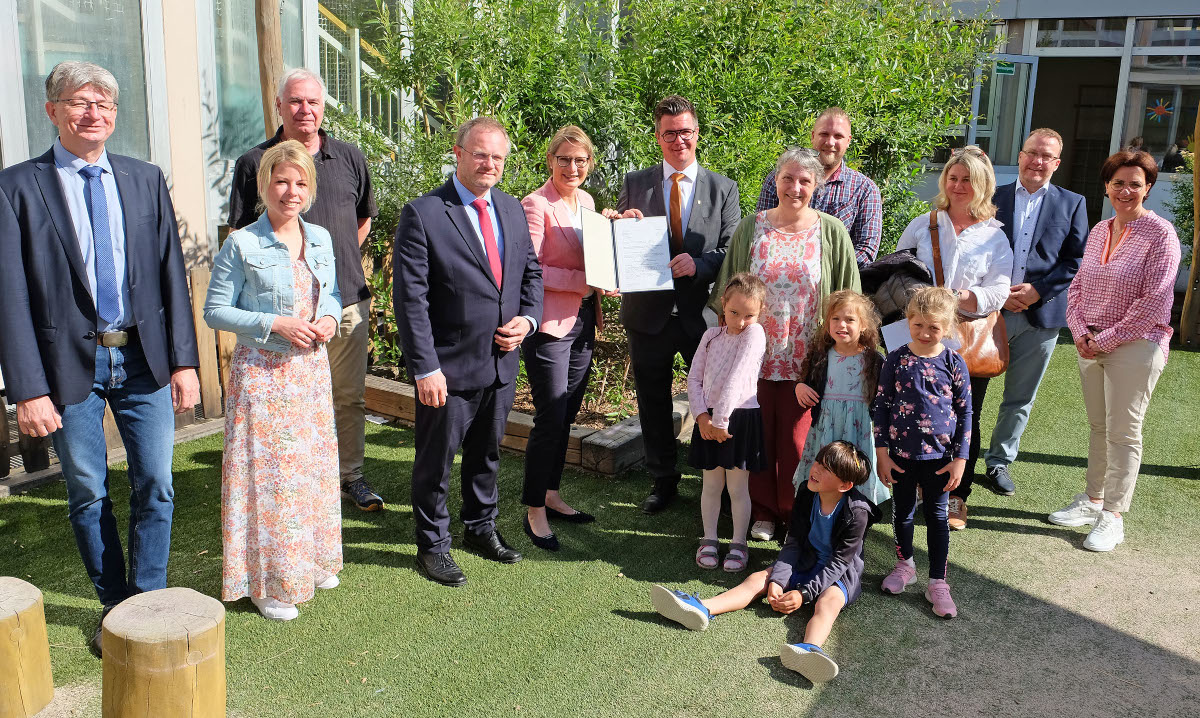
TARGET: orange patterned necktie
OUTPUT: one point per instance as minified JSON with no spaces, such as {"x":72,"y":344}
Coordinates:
{"x":676,"y":214}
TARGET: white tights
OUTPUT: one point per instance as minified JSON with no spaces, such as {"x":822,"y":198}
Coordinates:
{"x":738,"y":482}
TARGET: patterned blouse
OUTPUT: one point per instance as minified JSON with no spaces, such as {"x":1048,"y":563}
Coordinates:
{"x":789,"y":263}
{"x":724,"y":373}
{"x":922,"y":409}
{"x":1129,"y":296}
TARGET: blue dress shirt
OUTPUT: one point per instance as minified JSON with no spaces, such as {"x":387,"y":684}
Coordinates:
{"x":467,"y":197}
{"x":1027,"y":208}
{"x":73,"y":186}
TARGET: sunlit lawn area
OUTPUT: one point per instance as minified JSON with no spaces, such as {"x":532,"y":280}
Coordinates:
{"x":1045,"y":628}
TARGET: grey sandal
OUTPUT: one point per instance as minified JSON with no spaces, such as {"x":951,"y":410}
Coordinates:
{"x":707,"y":555}
{"x":736,"y":559}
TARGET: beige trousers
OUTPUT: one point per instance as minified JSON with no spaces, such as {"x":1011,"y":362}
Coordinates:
{"x":1116,"y":391}
{"x":348,"y":368}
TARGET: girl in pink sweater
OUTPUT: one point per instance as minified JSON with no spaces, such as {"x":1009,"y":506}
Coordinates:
{"x":727,"y":441}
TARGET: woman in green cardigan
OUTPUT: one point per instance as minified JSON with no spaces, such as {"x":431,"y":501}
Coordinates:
{"x":802,"y":255}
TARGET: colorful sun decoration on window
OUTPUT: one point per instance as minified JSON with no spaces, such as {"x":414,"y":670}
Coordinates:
{"x":1161,"y":110}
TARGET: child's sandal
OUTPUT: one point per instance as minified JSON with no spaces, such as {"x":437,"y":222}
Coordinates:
{"x":735,"y":560}
{"x":707,"y":555}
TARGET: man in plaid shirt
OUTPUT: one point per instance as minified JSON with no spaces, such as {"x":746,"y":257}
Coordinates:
{"x":848,"y":195}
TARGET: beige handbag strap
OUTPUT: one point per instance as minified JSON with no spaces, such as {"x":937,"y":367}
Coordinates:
{"x":939,"y":279}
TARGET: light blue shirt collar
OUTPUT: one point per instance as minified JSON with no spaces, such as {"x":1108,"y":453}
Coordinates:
{"x":467,"y":196}
{"x":66,"y":159}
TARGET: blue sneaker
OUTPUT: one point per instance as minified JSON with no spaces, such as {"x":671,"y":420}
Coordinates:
{"x":809,"y":661}
{"x":682,"y":608}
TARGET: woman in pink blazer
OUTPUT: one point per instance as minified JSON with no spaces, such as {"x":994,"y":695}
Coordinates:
{"x":558,"y":357}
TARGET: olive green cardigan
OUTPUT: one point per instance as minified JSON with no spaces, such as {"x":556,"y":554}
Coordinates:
{"x":839,"y":270}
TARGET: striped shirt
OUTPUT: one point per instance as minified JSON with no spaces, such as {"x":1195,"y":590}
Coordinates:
{"x":724,"y":373}
{"x":1128,"y":297}
{"x":850,"y":196}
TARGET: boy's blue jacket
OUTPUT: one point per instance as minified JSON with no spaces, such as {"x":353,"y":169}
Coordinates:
{"x":846,"y":563}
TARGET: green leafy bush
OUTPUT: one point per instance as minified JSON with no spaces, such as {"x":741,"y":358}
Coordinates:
{"x":1181,"y":203}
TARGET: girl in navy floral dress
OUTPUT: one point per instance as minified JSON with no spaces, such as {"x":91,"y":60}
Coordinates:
{"x":922,"y":415}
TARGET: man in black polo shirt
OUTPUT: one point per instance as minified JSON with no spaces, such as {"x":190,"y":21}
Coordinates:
{"x":344,"y":206}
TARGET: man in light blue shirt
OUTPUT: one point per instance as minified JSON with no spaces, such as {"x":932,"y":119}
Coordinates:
{"x":1047,"y":227}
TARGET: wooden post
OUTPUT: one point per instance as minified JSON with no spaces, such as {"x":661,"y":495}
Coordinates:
{"x":164,"y":656}
{"x":206,"y":343}
{"x":26,"y":684}
{"x":270,"y":57}
{"x":226,"y":343}
{"x":1189,"y":320}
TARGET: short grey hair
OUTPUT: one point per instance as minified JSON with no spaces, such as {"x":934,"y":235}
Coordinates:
{"x":806,"y":159}
{"x":66,"y":77}
{"x":296,"y":74}
{"x":483,"y":123}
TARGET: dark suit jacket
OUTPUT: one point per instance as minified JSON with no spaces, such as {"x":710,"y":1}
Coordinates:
{"x":715,"y":214}
{"x":1057,"y":249}
{"x":49,"y":323}
{"x":447,"y":303}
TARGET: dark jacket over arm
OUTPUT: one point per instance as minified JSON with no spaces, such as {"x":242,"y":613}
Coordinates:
{"x":846,"y":563}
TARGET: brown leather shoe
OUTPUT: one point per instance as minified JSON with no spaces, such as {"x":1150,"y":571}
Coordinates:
{"x":958,"y":514}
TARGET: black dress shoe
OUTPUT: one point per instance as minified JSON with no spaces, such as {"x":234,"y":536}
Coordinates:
{"x":550,"y":543}
{"x":578,"y":517}
{"x":492,"y":546}
{"x":440,"y":568}
{"x":657,"y":501}
{"x":94,"y":645}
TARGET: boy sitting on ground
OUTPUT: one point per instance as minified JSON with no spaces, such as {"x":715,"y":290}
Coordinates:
{"x":820,"y":563}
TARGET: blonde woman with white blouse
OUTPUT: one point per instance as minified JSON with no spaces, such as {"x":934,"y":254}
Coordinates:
{"x":977,"y":264}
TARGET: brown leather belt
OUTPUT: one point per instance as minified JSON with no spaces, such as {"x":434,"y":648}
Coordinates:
{"x":114,"y":339}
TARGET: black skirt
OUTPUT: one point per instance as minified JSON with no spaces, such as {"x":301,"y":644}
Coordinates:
{"x":744,"y":449}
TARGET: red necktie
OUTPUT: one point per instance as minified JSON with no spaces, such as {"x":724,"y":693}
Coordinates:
{"x":489,"y":239}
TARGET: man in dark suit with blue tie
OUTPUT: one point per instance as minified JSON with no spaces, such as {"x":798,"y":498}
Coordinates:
{"x":1048,"y":228}
{"x":96,"y":312}
{"x":467,"y":290}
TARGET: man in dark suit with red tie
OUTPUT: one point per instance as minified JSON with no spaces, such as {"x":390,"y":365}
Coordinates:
{"x":467,"y":290}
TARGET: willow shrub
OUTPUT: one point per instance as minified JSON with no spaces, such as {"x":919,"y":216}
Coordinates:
{"x":758,"y":72}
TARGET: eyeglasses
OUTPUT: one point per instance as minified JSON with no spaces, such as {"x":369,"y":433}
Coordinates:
{"x":76,"y":104}
{"x":1118,"y":185}
{"x":685,"y":135}
{"x":1039,"y":156}
{"x":565,"y":161}
{"x":484,"y":157}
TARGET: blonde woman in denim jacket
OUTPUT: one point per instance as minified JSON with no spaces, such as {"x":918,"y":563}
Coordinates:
{"x":274,"y":286}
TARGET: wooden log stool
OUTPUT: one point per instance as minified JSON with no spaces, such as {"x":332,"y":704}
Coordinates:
{"x":164,"y":656}
{"x":26,"y":685}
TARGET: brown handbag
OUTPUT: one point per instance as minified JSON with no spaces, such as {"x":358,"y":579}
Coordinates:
{"x":984,"y":338}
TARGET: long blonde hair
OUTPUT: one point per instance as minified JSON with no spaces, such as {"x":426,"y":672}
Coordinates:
{"x":982,"y":178}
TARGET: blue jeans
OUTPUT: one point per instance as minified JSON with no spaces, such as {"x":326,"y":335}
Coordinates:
{"x":936,"y":508}
{"x":146,"y":421}
{"x":1029,"y":351}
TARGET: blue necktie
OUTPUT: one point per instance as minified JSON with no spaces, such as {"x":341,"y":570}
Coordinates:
{"x":107,"y":303}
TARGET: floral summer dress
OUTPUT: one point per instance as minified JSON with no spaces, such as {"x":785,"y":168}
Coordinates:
{"x":845,"y":415}
{"x":789,"y":263}
{"x":280,"y":503}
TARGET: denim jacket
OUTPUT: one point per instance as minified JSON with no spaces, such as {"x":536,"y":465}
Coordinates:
{"x":252,"y":283}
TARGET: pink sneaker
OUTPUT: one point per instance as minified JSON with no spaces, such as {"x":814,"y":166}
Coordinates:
{"x":938,"y":594}
{"x":900,"y":577}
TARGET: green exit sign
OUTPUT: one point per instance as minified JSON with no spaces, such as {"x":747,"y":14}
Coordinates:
{"x":1006,"y":68}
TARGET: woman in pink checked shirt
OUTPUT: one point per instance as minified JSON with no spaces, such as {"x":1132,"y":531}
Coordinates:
{"x":1119,"y":312}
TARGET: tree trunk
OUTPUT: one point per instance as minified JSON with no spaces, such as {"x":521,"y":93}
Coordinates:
{"x":270,"y":58}
{"x":1189,"y":320}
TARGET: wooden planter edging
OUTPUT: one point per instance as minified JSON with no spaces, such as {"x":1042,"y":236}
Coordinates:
{"x":606,"y":451}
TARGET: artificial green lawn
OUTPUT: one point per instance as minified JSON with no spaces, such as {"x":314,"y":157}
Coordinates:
{"x":1045,"y":628}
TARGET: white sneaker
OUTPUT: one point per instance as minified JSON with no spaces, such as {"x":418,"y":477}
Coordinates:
{"x":1080,"y":512}
{"x":275,"y":610}
{"x":762,"y":530}
{"x":1107,"y":533}
{"x":331,"y":581}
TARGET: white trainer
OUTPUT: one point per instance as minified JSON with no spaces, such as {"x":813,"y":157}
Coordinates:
{"x":1080,"y":512}
{"x":1107,"y":533}
{"x":762,"y":530}
{"x":275,"y":610}
{"x":331,"y":581}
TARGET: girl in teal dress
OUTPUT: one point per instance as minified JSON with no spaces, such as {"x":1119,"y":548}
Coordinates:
{"x":840,"y":374}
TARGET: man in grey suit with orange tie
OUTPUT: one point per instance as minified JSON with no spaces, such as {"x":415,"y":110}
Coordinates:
{"x":702,"y":211}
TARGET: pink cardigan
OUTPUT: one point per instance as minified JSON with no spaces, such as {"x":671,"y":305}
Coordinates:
{"x":561,"y":255}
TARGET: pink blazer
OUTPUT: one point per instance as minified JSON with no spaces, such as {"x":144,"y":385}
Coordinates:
{"x":561,"y":254}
